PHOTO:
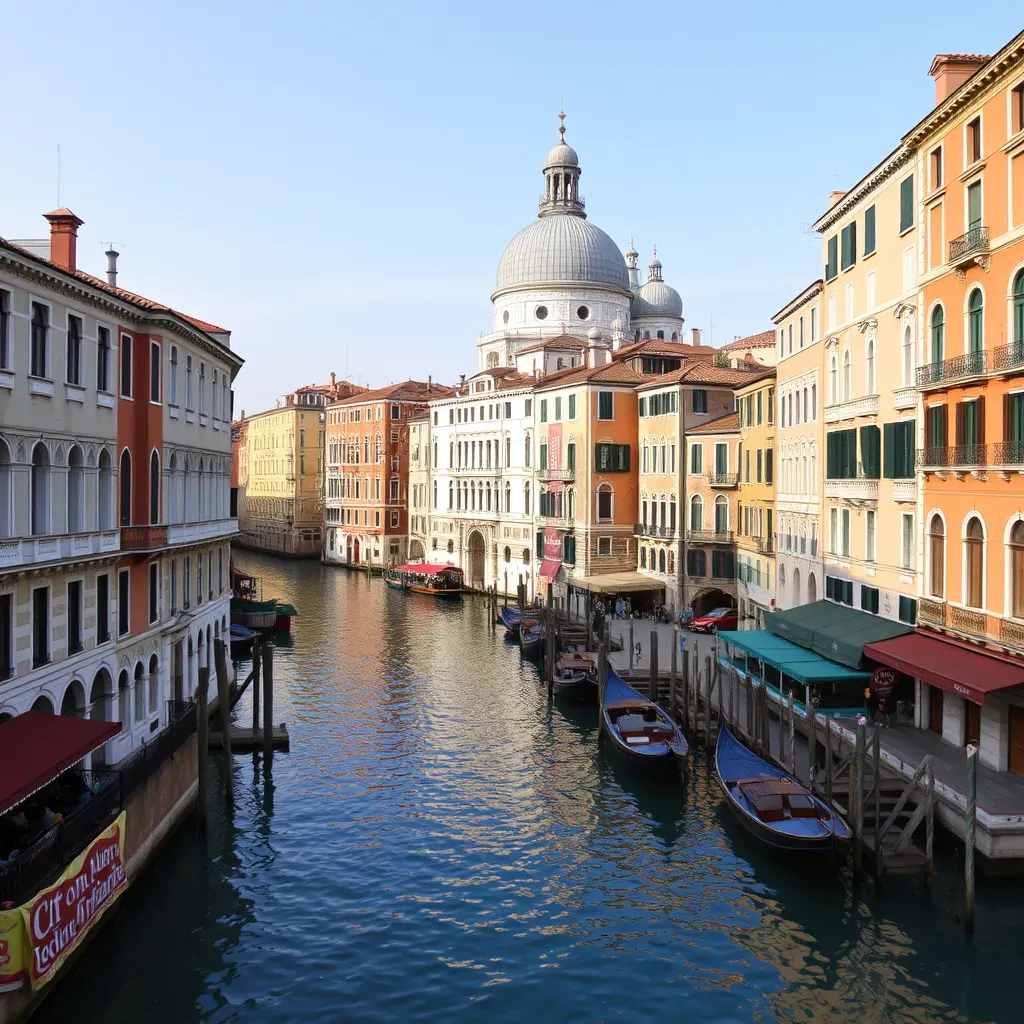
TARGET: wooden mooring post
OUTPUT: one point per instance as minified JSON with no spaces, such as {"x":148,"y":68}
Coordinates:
{"x":812,"y":742}
{"x":202,"y":741}
{"x":970,"y":825}
{"x":748,"y":697}
{"x":224,"y":707}
{"x":257,"y":645}
{"x":672,"y":674}
{"x":828,"y":762}
{"x":631,"y":646}
{"x":268,"y":704}
{"x":876,"y":759}
{"x":686,"y":690}
{"x":733,"y":687}
{"x":791,"y":733}
{"x":602,"y":683}
{"x":652,"y":665}
{"x":707,"y":701}
{"x":857,"y":798}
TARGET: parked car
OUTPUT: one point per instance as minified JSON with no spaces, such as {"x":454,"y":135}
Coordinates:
{"x":720,"y":618}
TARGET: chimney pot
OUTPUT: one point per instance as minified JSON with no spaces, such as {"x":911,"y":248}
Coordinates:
{"x":64,"y":227}
{"x":694,"y":335}
{"x":332,"y":379}
{"x":834,"y":197}
{"x":112,"y":255}
{"x":951,"y":70}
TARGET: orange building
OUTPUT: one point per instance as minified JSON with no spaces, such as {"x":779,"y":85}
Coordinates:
{"x":970,"y":378}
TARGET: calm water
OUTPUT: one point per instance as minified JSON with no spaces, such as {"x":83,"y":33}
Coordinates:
{"x":440,"y":845}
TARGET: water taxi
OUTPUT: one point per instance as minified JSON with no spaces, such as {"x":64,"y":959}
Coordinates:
{"x":425,"y":578}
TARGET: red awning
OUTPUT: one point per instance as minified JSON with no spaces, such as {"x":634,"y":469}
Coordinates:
{"x":549,"y":568}
{"x":949,"y":666}
{"x":35,"y":748}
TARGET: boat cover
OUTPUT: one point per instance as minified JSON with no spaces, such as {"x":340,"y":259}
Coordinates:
{"x":425,"y":568}
{"x":618,"y":689}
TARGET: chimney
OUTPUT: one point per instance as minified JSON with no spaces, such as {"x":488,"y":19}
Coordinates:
{"x":112,"y":255}
{"x":694,"y":335}
{"x":951,"y":70}
{"x":835,"y":197}
{"x":64,"y":227}
{"x":430,"y":382}
{"x":333,"y":385}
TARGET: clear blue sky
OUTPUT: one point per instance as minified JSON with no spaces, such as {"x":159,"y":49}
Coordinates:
{"x":323,"y":177}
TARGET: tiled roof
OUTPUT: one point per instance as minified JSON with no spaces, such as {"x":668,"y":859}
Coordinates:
{"x":766,"y":339}
{"x":723,"y":425}
{"x":564,"y":342}
{"x":706,"y":373}
{"x":404,"y":391}
{"x":609,"y":373}
{"x":658,"y":347}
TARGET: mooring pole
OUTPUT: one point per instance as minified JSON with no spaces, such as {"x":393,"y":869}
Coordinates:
{"x":857,"y":798}
{"x":602,"y":683}
{"x":202,"y":742}
{"x":828,"y":762}
{"x":268,"y":703}
{"x":970,"y":824}
{"x":224,"y":707}
{"x":631,"y":644}
{"x":812,"y":742}
{"x":652,"y":666}
{"x":791,"y":733}
{"x":876,"y":756}
{"x":748,"y":698}
{"x":672,"y":674}
{"x":929,"y":824}
{"x":256,"y":657}
{"x":686,"y":690}
{"x":707,"y":701}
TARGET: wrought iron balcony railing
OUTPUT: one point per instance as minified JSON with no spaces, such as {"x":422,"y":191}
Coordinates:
{"x":646,"y":530}
{"x":141,"y":538}
{"x":1008,"y":357}
{"x":972,"y":243}
{"x":709,"y":536}
{"x":970,"y":364}
{"x":1008,"y":453}
{"x":723,"y":479}
{"x":961,"y":456}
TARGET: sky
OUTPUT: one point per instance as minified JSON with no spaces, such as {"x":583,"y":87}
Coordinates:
{"x":335,"y":183}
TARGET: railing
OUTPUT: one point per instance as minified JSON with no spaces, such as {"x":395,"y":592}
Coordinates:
{"x":141,"y":538}
{"x":1008,"y":453}
{"x":904,"y":490}
{"x":970,"y":364}
{"x":723,"y":479}
{"x":565,"y":475}
{"x":855,"y":488}
{"x":966,"y":620}
{"x":866,"y":405}
{"x":644,"y":530}
{"x":31,"y":550}
{"x":709,"y":536}
{"x":904,"y":398}
{"x":932,"y":613}
{"x":1011,"y":633}
{"x":968,"y":245}
{"x":1008,"y":357}
{"x":189,"y":533}
{"x":961,"y":456}
{"x":764,"y":545}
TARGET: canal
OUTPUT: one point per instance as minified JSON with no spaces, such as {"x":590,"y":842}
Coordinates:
{"x":442,"y":845}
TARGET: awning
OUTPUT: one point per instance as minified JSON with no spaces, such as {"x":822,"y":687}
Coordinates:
{"x":35,"y":748}
{"x":947,"y":665}
{"x":549,"y":568}
{"x":833,"y":630}
{"x":616,"y":583}
{"x":790,"y":659}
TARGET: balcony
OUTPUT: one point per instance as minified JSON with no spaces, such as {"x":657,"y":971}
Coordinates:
{"x":709,"y":536}
{"x":1008,"y":357}
{"x":867,"y":405}
{"x":931,"y":613}
{"x":967,"y":620}
{"x":723,"y":479}
{"x":961,"y":456}
{"x":970,"y":364}
{"x":192,"y":533}
{"x":1008,"y":453}
{"x":558,"y":522}
{"x":1011,"y":633}
{"x":563,"y":475}
{"x":143,"y":538}
{"x":644,"y":530}
{"x":764,"y":545}
{"x":904,"y":398}
{"x":904,"y":490}
{"x":856,"y":489}
{"x":970,"y":248}
{"x":40,"y":550}
{"x":477,"y":471}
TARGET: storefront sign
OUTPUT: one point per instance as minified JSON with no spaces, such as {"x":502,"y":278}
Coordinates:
{"x":12,"y":950}
{"x":58,"y":918}
{"x":883,"y":682}
{"x":552,"y":544}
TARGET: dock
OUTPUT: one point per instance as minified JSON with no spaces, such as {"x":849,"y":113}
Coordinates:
{"x":247,"y":739}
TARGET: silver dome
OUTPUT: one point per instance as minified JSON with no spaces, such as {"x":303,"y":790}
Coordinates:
{"x":561,"y":248}
{"x":563,"y":155}
{"x":656,"y":298}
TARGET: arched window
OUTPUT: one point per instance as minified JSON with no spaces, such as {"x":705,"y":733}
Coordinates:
{"x":908,"y":357}
{"x":72,"y":706}
{"x":154,"y":680}
{"x":974,"y":567}
{"x":98,"y":696}
{"x":1018,"y":314}
{"x":154,"y":488}
{"x":570,"y":503}
{"x":140,"y":692}
{"x":526,"y":498}
{"x":125,"y":474}
{"x":847,"y":376}
{"x":696,"y":512}
{"x":938,"y":335}
{"x":76,"y":491}
{"x":870,"y":378}
{"x":721,"y":514}
{"x":1017,"y":570}
{"x":526,"y":556}
{"x":123,"y":699}
{"x":40,"y":490}
{"x":106,"y":491}
{"x":643,"y":558}
{"x":975,"y":322}
{"x":661,"y":559}
{"x":508,"y":496}
{"x":605,"y":508}
{"x":936,"y":557}
{"x":6,"y":491}
{"x":526,"y":452}
{"x":795,"y":599}
{"x":833,"y":380}
{"x":671,"y":563}
{"x":43,"y":705}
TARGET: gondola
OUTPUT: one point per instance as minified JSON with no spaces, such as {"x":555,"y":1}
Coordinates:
{"x":241,"y":639}
{"x":773,"y":806}
{"x":424,"y":578}
{"x":531,"y":636}
{"x":640,"y":731}
{"x":511,"y":615}
{"x":575,"y":680}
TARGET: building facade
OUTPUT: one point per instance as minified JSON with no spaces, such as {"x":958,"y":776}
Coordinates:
{"x":750,"y":352}
{"x":800,"y":426}
{"x":419,"y":488}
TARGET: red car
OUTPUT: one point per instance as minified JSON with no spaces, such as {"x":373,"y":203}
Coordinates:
{"x":720,"y":618}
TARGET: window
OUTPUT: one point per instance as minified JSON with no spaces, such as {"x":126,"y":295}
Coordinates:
{"x":936,"y":168}
{"x":74,"y":351}
{"x":848,"y":246}
{"x":154,"y":488}
{"x":605,"y":405}
{"x":604,"y":503}
{"x":396,"y":412}
{"x":833,"y":531}
{"x":188,"y":382}
{"x":769,"y":465}
{"x":202,"y":388}
{"x":696,"y":512}
{"x":908,"y":610}
{"x":747,"y":467}
{"x":528,"y":407}
{"x":572,"y":407}
{"x":907,"y":541}
{"x":570,"y":452}
{"x":154,"y":592}
{"x":543,"y":410}
{"x":841,"y":454}
{"x":869,"y":231}
{"x":760,"y":409}
{"x":974,"y":140}
{"x":906,"y":204}
{"x":936,"y":557}
{"x":1017,"y":570}
{"x":760,"y":457}
{"x":39,"y":512}
{"x":126,"y":488}
{"x":974,"y":564}
{"x":126,"y":366}
{"x":173,"y":382}
{"x":938,"y":334}
{"x":6,"y":362}
{"x":611,"y":458}
{"x":975,"y":322}
{"x":869,"y":599}
{"x":75,"y":643}
{"x":40,"y":626}
{"x":696,"y":459}
{"x":1017,"y":109}
{"x":696,"y":563}
{"x":814,"y":323}
{"x":40,"y":329}
{"x":700,"y":400}
{"x":847,"y":376}
{"x":832,"y":263}
{"x":898,"y":450}
{"x":845,"y":518}
{"x":102,"y":608}
{"x":6,"y":636}
{"x":154,"y":372}
{"x":870,"y":452}
{"x":543,"y":456}
{"x":558,"y":409}
{"x":839,"y":590}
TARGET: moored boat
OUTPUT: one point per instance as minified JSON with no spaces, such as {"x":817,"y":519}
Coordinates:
{"x":639,"y":730}
{"x":241,"y":638}
{"x":426,"y":578}
{"x":532,"y":636}
{"x":773,"y":806}
{"x":511,"y":616}
{"x":575,"y":679}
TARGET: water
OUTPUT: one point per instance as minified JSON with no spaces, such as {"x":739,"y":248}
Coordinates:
{"x":440,"y":845}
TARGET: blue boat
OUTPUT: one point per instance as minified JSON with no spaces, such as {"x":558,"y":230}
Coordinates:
{"x":639,"y":730}
{"x":772,"y":805}
{"x":241,"y":638}
{"x":512,"y":616}
{"x":531,"y":636}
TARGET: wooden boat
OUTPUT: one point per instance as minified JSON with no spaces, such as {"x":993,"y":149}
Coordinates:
{"x":531,"y":636}
{"x":576,"y":679}
{"x":511,"y":616}
{"x":425,"y":578}
{"x":773,"y":806}
{"x":639,"y":730}
{"x":283,"y":622}
{"x":248,"y":611}
{"x":241,"y":639}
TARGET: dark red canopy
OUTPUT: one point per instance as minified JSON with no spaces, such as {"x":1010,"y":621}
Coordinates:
{"x":549,"y":568}
{"x":35,"y":748}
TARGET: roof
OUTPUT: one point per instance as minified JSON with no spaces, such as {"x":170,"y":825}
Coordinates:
{"x":35,"y":748}
{"x":722,"y":425}
{"x":969,"y":58}
{"x":427,"y":568}
{"x":833,"y":630}
{"x":616,"y":582}
{"x":797,"y":301}
{"x":660,"y":347}
{"x":708,"y":373}
{"x":563,"y":341}
{"x":948,"y":665}
{"x":790,"y":659}
{"x":766,"y":339}
{"x":404,"y":391}
{"x":607,"y":373}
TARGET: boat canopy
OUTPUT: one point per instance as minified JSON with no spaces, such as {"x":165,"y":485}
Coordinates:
{"x":833,"y":630}
{"x":426,"y":568}
{"x":790,"y":659}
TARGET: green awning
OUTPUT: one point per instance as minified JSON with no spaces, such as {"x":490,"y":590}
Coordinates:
{"x":792,"y":660}
{"x":833,"y":630}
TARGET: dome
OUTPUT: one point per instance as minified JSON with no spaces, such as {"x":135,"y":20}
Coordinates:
{"x":562,"y":248}
{"x":594,"y":334}
{"x":656,"y":298}
{"x":563,"y":155}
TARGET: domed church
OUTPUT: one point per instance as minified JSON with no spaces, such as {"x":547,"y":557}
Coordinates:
{"x":563,"y":276}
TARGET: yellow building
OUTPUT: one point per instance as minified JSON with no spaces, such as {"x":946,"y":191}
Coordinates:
{"x":870,"y":331}
{"x":755,"y":505}
{"x":280,"y":459}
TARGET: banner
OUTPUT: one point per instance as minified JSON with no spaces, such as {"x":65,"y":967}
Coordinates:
{"x":58,"y":918}
{"x":12,"y":950}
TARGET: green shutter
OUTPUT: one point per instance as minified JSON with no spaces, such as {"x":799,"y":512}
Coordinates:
{"x":543,"y":410}
{"x":906,"y":204}
{"x":889,"y":450}
{"x":869,"y":231}
{"x":558,"y":409}
{"x":832,"y":265}
{"x":870,"y":438}
{"x":543,"y":456}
